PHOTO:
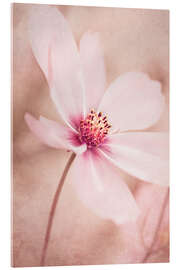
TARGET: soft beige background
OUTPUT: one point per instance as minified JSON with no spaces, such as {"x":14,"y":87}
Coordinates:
{"x":132,"y":40}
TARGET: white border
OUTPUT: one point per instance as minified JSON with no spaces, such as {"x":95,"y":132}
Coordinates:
{"x":174,"y":123}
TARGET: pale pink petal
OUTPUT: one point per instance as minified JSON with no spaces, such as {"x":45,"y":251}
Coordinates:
{"x":92,"y":60}
{"x":141,"y":154}
{"x":101,"y":189}
{"x":148,"y":237}
{"x":154,"y":203}
{"x":133,"y":101}
{"x":56,"y":52}
{"x":53,"y":134}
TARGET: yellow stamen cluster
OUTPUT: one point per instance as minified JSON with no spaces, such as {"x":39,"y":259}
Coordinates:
{"x":93,"y":129}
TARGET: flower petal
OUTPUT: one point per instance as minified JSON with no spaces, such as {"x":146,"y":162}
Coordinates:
{"x":141,"y":154}
{"x":133,"y":101}
{"x":93,"y":69}
{"x":56,"y":52}
{"x":53,"y":134}
{"x":101,"y":189}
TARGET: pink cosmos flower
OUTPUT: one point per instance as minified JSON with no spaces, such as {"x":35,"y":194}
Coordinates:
{"x":102,"y":127}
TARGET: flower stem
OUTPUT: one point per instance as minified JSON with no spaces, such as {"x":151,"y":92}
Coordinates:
{"x":53,"y":208}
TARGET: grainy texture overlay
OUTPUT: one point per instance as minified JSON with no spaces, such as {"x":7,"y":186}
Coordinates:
{"x":131,"y":40}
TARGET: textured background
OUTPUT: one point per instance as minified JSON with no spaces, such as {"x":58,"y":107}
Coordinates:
{"x":132,"y":40}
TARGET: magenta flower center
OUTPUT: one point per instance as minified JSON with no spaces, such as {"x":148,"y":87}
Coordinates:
{"x":93,"y":129}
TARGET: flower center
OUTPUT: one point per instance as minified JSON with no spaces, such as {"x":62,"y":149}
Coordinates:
{"x":93,"y":129}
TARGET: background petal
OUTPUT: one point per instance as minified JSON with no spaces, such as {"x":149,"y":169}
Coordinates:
{"x":53,"y":134}
{"x":147,"y":240}
{"x":144,"y":155}
{"x":101,"y":189}
{"x":55,"y":50}
{"x":133,"y":101}
{"x":93,"y":69}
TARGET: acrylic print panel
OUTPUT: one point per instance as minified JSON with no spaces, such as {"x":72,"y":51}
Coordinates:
{"x":90,"y":126}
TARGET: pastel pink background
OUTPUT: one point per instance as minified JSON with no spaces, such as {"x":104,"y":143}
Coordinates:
{"x":132,"y":40}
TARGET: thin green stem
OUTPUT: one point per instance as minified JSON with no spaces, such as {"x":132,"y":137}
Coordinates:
{"x":53,"y":208}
